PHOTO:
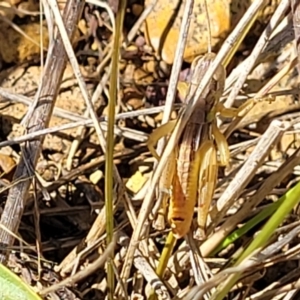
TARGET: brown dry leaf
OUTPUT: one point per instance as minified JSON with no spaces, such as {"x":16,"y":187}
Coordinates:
{"x":6,"y":10}
{"x":7,"y":163}
{"x":161,"y":16}
{"x":29,"y":6}
{"x":263,"y":108}
{"x":18,"y":48}
{"x":135,"y":103}
{"x":223,"y":15}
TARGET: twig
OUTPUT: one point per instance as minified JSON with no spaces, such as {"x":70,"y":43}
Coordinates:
{"x":80,"y":131}
{"x":59,"y":112}
{"x":142,"y":264}
{"x":295,"y":5}
{"x":139,"y":22}
{"x":125,"y":132}
{"x":46,"y":96}
{"x":93,"y":267}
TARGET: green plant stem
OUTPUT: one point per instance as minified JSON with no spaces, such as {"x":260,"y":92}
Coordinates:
{"x":113,"y":94}
{"x":264,"y":214}
{"x":164,"y":258}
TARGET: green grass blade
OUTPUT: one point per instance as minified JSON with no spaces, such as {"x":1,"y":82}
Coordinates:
{"x":289,"y":200}
{"x":261,"y":216}
{"x":113,"y":94}
{"x":13,"y":287}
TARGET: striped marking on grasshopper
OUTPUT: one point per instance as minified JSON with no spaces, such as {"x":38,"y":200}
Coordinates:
{"x":192,"y":174}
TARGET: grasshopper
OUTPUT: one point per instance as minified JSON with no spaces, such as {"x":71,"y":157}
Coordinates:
{"x":192,"y":168}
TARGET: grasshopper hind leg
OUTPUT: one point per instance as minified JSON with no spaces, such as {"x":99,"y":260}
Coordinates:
{"x":164,"y":192}
{"x":157,"y":134}
{"x":206,"y":184}
{"x":208,"y":174}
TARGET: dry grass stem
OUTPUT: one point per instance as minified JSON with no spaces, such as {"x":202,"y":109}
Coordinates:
{"x":45,"y":100}
{"x":261,"y":43}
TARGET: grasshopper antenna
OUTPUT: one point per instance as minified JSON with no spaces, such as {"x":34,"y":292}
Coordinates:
{"x":208,"y":27}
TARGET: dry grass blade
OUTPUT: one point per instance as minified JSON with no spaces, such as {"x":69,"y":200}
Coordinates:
{"x":285,"y":292}
{"x":59,"y":112}
{"x":282,"y":35}
{"x":80,"y":131}
{"x":45,"y":99}
{"x":240,"y":122}
{"x":93,"y":267}
{"x":251,"y":61}
{"x":200,"y":269}
{"x":146,"y":206}
{"x":79,"y":121}
{"x":139,"y":22}
{"x":274,"y":287}
{"x":44,"y":7}
{"x":127,"y":133}
{"x":295,"y":5}
{"x":171,"y":93}
{"x":77,"y":72}
{"x":284,"y":206}
{"x":264,"y":38}
{"x":142,"y":264}
{"x":261,"y":259}
{"x":273,"y":81}
{"x":233,"y":41}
